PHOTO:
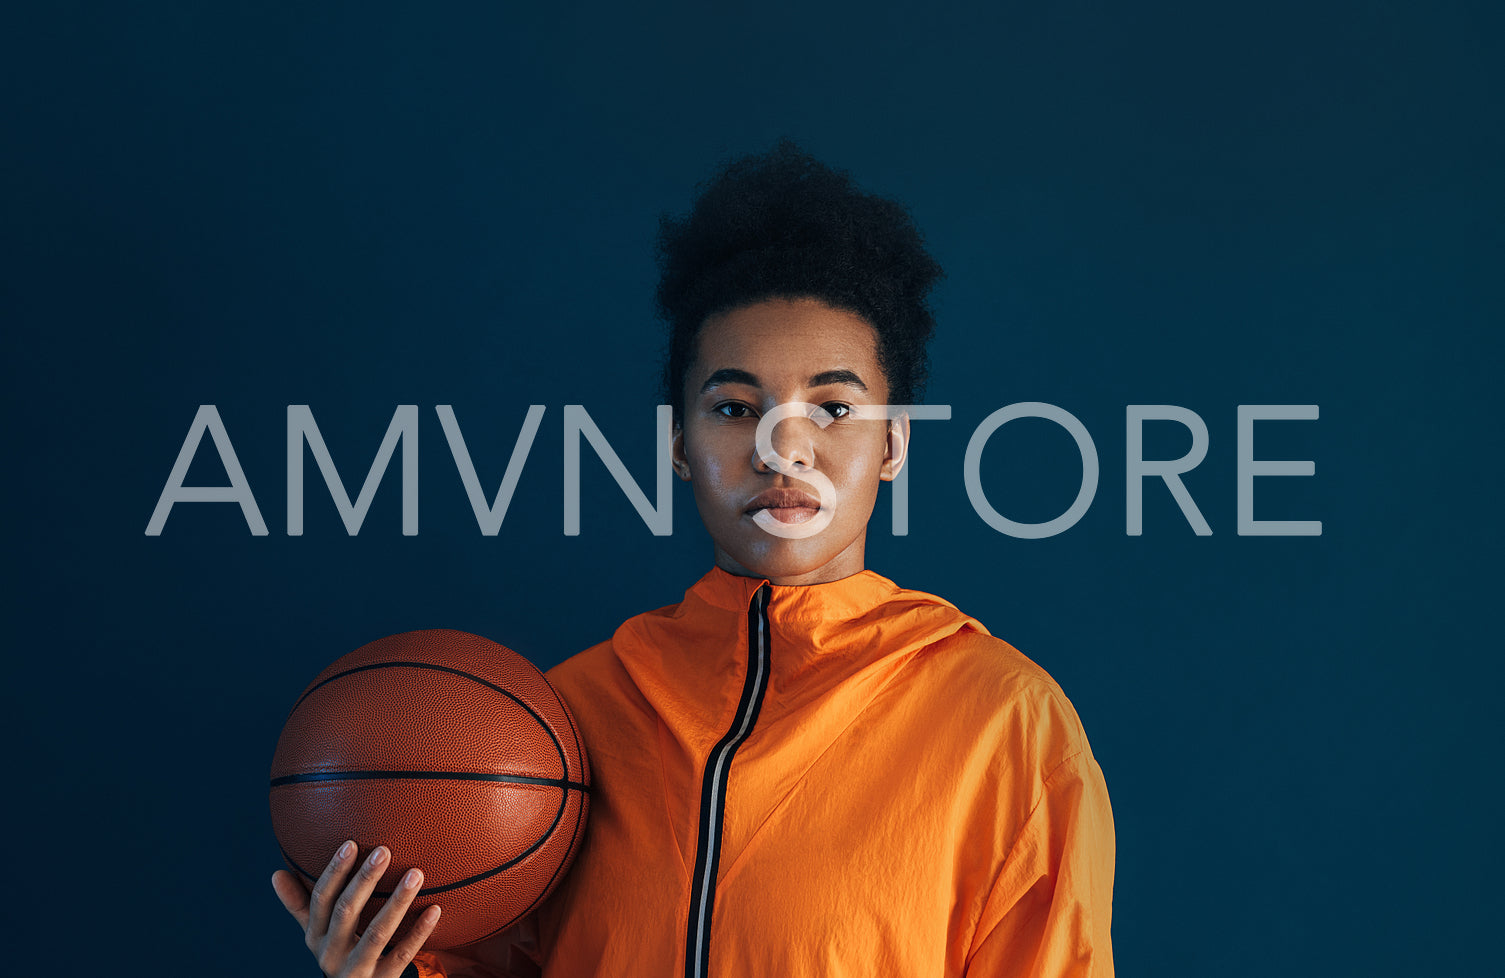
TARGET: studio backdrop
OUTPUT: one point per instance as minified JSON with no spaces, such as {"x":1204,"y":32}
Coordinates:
{"x":1218,"y":347}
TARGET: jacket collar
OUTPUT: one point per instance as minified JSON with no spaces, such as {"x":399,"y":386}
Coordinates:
{"x":841,"y":600}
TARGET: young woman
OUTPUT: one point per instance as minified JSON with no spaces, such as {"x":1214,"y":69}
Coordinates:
{"x":801,"y":768}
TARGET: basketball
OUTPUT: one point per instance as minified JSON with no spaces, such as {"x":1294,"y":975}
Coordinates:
{"x":452,"y":751}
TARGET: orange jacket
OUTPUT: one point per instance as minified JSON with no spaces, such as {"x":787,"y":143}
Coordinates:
{"x":839,"y":779}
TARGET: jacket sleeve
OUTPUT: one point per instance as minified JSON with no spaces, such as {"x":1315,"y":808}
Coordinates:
{"x":511,"y":954}
{"x":1050,"y":909}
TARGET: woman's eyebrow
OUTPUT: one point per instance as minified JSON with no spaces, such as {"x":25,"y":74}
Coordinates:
{"x":733,"y":375}
{"x":729,"y":375}
{"x":838,"y":377}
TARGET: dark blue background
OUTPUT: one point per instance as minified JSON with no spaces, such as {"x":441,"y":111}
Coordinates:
{"x":356,"y":206}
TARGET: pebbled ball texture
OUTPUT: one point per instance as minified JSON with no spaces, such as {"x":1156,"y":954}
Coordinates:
{"x":452,"y":751}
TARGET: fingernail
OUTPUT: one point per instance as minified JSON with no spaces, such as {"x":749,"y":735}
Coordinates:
{"x":378,"y":856}
{"x":432,"y":913}
{"x":346,"y":850}
{"x":410,"y":879}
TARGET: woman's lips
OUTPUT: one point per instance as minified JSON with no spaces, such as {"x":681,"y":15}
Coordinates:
{"x":784,"y":505}
{"x":791,"y":514}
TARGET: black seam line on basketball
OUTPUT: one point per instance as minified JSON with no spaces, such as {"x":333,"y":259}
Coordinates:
{"x":585,"y":774}
{"x":554,"y":876}
{"x":564,"y":765}
{"x":579,"y":818}
{"x":288,"y":779}
{"x":430,"y":890}
{"x":294,"y":863}
{"x":713,"y":788}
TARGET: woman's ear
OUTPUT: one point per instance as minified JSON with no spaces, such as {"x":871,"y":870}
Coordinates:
{"x":898,"y":448}
{"x":677,"y":453}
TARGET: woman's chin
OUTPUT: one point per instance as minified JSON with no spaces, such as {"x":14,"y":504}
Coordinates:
{"x":792,"y":562}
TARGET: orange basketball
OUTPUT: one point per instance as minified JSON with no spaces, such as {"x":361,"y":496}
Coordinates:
{"x":452,"y":751}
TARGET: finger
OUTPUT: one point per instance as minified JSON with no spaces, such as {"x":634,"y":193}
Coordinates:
{"x":407,"y":949}
{"x":387,"y":919}
{"x":329,"y":884}
{"x":346,"y":912}
{"x":293,"y":894}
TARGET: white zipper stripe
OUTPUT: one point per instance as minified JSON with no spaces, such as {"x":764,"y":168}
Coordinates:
{"x":712,"y":819}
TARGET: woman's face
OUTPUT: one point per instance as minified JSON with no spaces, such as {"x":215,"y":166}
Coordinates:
{"x":749,"y":361}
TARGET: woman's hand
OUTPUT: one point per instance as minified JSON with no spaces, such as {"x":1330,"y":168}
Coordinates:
{"x":329,"y":916}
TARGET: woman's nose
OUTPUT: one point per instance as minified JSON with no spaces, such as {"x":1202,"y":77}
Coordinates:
{"x":792,"y":437}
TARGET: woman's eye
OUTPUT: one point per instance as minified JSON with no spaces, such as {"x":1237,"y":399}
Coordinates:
{"x":733,"y":409}
{"x":837,"y":409}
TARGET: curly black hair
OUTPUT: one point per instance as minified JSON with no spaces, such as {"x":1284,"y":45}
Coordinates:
{"x":784,"y":225}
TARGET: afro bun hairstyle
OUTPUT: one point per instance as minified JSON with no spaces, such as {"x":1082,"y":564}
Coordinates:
{"x":784,"y":225}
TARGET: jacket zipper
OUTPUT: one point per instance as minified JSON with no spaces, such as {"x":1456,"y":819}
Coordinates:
{"x":713,"y":788}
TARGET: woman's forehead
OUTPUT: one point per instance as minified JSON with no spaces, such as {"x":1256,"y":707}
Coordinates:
{"x":784,"y":341}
